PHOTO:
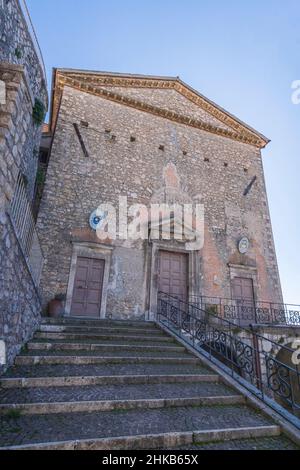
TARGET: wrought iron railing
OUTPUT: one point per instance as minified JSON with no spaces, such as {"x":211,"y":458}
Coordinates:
{"x":245,"y":312}
{"x":263,"y":366}
{"x":23,"y":222}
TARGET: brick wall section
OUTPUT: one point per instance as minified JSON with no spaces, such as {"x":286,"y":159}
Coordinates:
{"x":19,"y":145}
{"x":76,"y":185}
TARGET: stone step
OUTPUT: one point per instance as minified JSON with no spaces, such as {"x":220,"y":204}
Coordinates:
{"x":120,"y":380}
{"x":142,"y":428}
{"x":113,"y":397}
{"x":163,"y":441}
{"x":68,"y":321}
{"x":143,"y":339}
{"x":130,"y":351}
{"x":85,"y":384}
{"x":110,"y":330}
{"x":85,"y":346}
{"x":110,"y":405}
{"x":66,"y":371}
{"x":263,"y":443}
{"x":122,"y":358}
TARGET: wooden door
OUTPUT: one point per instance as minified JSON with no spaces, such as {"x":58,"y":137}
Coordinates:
{"x":173,"y":274}
{"x":243,"y":294}
{"x":87,"y":293}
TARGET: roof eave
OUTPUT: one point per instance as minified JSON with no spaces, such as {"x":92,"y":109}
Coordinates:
{"x":232,"y":116}
{"x":264,"y":140}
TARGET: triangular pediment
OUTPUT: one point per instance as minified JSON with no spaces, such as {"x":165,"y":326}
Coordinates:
{"x":169,"y":100}
{"x":166,"y":97}
{"x":179,"y":230}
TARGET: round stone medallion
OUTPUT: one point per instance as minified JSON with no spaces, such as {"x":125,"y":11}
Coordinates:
{"x":244,"y":245}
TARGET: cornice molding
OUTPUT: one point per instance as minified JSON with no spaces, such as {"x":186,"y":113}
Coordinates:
{"x":20,"y":74}
{"x":95,"y":84}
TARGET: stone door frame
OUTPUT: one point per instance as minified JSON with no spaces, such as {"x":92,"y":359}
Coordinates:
{"x":248,"y":272}
{"x":193,"y":276}
{"x":95,"y":251}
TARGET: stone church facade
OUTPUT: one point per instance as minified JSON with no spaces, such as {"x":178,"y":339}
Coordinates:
{"x":153,"y":140}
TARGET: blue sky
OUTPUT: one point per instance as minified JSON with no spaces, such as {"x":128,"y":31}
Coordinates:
{"x":243,"y":55}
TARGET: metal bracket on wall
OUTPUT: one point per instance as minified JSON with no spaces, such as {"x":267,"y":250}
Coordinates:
{"x":84,"y":149}
{"x":248,"y":189}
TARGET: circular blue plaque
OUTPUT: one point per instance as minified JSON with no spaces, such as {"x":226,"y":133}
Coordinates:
{"x":96,"y":219}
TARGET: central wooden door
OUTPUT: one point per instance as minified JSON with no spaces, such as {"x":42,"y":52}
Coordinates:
{"x":173,"y":274}
{"x":87,"y":293}
{"x":243,"y":294}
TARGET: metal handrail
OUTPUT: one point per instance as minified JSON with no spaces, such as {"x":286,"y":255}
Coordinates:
{"x":21,"y":216}
{"x":250,"y":358}
{"x":192,"y":310}
{"x":256,"y":311}
{"x":230,"y":299}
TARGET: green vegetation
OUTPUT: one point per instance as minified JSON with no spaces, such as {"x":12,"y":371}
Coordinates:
{"x":38,"y":112}
{"x":18,"y":53}
{"x":13,"y":414}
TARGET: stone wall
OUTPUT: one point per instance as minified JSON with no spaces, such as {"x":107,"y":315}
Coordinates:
{"x":209,"y":168}
{"x":20,"y":312}
{"x":22,"y":74}
{"x":16,"y":45}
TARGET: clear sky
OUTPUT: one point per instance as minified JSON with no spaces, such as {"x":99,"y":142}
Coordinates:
{"x":244,"y":55}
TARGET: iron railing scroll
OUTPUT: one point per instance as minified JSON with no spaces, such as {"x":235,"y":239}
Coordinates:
{"x":258,"y":363}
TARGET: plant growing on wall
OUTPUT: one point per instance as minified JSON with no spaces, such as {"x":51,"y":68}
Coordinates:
{"x":38,"y":112}
{"x":40,"y":177}
{"x":211,"y":309}
{"x":18,"y":53}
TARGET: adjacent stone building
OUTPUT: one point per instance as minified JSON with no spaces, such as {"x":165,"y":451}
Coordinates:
{"x":22,"y":108}
{"x":153,"y":140}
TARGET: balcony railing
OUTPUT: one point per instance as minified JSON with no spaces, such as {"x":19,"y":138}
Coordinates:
{"x":269,"y":370}
{"x":22,"y":220}
{"x":245,"y":312}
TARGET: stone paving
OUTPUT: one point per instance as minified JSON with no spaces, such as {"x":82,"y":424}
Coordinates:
{"x":69,"y":370}
{"x":132,"y":353}
{"x":72,"y":403}
{"x":62,"y":427}
{"x":162,"y":343}
{"x":113,"y":392}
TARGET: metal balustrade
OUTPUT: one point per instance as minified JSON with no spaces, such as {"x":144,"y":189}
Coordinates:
{"x":245,"y":312}
{"x":267,"y":369}
{"x":23,"y":222}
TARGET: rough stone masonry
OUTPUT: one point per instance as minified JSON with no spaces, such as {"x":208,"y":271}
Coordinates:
{"x":21,"y":71}
{"x":151,"y":139}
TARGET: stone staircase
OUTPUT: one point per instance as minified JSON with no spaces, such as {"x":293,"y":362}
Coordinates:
{"x":107,"y":385}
